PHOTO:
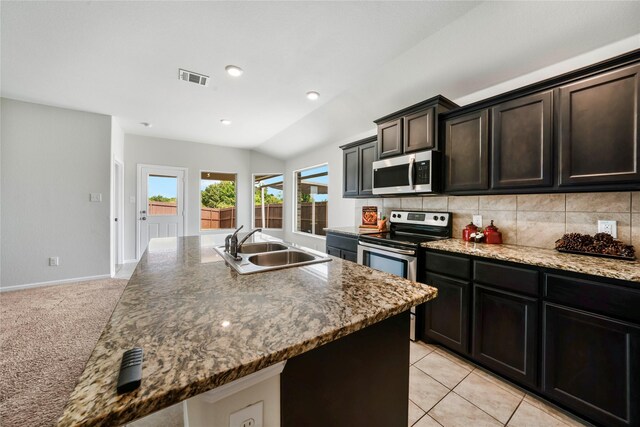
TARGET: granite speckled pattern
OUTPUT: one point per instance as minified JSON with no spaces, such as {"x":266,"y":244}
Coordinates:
{"x":352,"y":231}
{"x":179,"y":300}
{"x":603,"y":267}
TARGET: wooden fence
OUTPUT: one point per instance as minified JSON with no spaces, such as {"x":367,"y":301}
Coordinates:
{"x":273,"y":216}
{"x":305,"y":217}
{"x":162,"y":208}
{"x":217,"y":218}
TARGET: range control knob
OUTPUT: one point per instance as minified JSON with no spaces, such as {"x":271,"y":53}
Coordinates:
{"x":393,"y":216}
{"x":442,"y":218}
{"x":435,"y":217}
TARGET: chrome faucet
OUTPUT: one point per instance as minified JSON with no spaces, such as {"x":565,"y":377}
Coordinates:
{"x":231,"y":245}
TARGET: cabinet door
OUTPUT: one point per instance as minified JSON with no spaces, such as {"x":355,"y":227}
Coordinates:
{"x":598,"y":129}
{"x":419,"y":131}
{"x":350,"y":165}
{"x":349,"y":256}
{"x":368,"y":153}
{"x":466,"y":156}
{"x":592,"y":364}
{"x":334,"y":251}
{"x":447,"y":316}
{"x":521,"y":136}
{"x":505,"y":333}
{"x":390,"y":138}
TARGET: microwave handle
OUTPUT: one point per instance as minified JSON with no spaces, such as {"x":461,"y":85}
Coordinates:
{"x":411,"y":164}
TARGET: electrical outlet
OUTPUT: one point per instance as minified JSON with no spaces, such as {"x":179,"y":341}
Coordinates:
{"x":608,"y":227}
{"x":251,"y":416}
{"x":477,"y":220}
{"x":54,"y":261}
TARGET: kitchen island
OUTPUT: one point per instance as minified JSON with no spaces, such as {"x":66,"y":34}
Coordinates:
{"x":202,"y":325}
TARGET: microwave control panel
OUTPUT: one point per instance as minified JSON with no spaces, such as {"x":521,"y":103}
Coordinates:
{"x":423,"y":172}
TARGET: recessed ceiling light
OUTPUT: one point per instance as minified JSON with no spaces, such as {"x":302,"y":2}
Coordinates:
{"x":234,"y":70}
{"x":145,"y":124}
{"x":225,"y":122}
{"x":313,"y":95}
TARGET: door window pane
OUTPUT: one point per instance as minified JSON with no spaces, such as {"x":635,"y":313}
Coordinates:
{"x":312,"y":199}
{"x":217,"y":200}
{"x":267,"y":200}
{"x":162,"y":192}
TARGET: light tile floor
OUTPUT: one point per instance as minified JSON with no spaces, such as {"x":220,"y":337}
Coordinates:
{"x":124,"y":271}
{"x":446,"y":390}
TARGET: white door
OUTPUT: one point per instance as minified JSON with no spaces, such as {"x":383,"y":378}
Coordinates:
{"x":160,"y":204}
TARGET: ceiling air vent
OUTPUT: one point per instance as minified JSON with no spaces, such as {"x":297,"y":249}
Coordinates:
{"x":190,"y":76}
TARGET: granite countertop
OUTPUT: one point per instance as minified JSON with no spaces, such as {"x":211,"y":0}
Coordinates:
{"x":354,"y":231}
{"x":549,"y":258}
{"x":202,"y":325}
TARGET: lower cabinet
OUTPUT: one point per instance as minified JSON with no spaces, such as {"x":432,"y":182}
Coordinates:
{"x":592,"y":364}
{"x":447,"y":316}
{"x":342,"y":246}
{"x":505,"y":333}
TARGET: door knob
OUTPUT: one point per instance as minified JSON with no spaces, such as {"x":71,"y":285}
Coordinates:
{"x":144,"y":218}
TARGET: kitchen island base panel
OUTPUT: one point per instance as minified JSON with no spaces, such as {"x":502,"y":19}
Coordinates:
{"x":360,"y":379}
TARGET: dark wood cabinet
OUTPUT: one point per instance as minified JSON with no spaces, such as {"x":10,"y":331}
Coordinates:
{"x":446,"y":318}
{"x":592,"y":364}
{"x":357,"y":167}
{"x":411,"y":129}
{"x":598,"y":136}
{"x":390,"y":138}
{"x":367,"y":154}
{"x":350,"y":171}
{"x":466,"y":152}
{"x":505,"y":333}
{"x":342,"y":246}
{"x":419,"y":131}
{"x":521,"y":142}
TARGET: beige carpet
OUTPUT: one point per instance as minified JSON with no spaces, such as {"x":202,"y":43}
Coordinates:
{"x":46,"y":337}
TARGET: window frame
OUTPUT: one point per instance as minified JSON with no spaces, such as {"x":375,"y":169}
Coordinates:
{"x":215,"y":230}
{"x":294,"y":195}
{"x":253,"y":200}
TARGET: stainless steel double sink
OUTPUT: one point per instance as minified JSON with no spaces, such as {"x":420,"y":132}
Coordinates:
{"x":258,"y":257}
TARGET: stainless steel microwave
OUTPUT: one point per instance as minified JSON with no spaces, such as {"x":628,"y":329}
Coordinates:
{"x":411,"y":173}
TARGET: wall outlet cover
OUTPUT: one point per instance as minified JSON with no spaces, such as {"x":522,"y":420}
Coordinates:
{"x":477,"y":220}
{"x":609,"y":227}
{"x":251,"y":416}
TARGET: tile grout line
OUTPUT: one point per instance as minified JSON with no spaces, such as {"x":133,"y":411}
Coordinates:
{"x":516,"y":410}
{"x":464,"y":398}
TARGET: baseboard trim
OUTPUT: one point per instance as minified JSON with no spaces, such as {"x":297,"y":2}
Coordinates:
{"x":54,"y":282}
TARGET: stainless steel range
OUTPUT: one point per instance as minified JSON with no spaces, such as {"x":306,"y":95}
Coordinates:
{"x":396,"y":251}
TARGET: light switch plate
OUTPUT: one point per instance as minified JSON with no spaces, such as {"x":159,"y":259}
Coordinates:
{"x":96,"y":197}
{"x":251,"y":416}
{"x":477,"y":220}
{"x":54,"y":261}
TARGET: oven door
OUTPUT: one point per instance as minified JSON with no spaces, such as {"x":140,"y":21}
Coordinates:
{"x":401,"y":262}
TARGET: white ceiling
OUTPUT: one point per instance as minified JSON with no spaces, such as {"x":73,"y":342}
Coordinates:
{"x":365,"y":58}
{"x":122,"y":59}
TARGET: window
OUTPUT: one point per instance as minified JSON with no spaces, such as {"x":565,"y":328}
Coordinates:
{"x":312,"y":199}
{"x":161,"y":195}
{"x":217,"y":200}
{"x":267,"y":201}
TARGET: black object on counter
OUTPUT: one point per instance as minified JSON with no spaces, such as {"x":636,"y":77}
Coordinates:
{"x":130,"y":370}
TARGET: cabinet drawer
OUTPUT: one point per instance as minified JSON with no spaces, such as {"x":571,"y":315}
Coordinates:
{"x":449,"y":265}
{"x":613,"y":300}
{"x":342,"y":242}
{"x":520,"y":280}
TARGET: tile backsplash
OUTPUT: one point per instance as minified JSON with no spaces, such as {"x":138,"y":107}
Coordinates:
{"x":532,"y":219}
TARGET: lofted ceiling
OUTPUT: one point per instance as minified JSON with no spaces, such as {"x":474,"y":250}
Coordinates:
{"x":122,"y":59}
{"x":365,"y":58}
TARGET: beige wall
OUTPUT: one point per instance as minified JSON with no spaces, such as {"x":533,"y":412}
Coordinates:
{"x":530,"y":220}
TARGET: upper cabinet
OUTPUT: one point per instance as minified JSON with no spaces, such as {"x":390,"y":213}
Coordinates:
{"x":411,"y":129}
{"x":598,"y":140}
{"x":358,"y":158}
{"x":521,"y":142}
{"x":466,"y":152}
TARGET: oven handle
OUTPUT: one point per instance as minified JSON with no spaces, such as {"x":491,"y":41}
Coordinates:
{"x":388,"y":249}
